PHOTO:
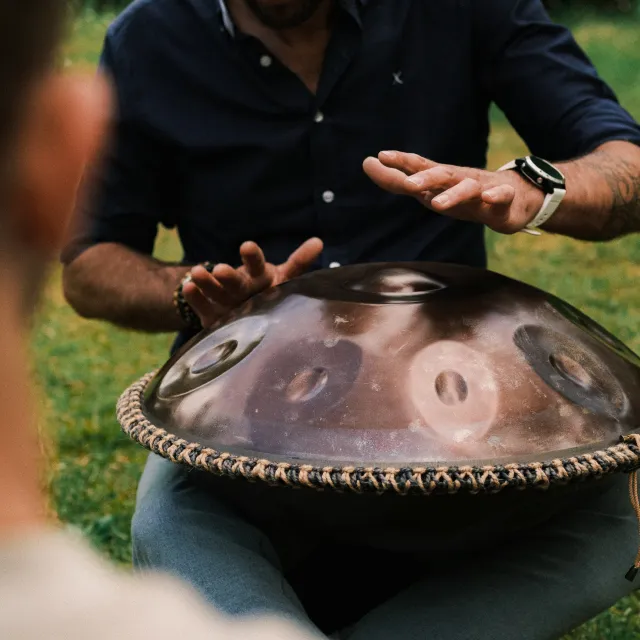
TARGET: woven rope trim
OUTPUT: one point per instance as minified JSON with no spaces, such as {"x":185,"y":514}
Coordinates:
{"x":624,"y":457}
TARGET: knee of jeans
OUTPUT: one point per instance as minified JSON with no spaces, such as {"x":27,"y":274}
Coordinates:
{"x":152,"y":529}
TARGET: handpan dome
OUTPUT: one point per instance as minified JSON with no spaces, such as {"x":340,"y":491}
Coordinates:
{"x":404,"y":366}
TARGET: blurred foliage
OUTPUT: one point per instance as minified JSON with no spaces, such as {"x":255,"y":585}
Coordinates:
{"x":100,"y":6}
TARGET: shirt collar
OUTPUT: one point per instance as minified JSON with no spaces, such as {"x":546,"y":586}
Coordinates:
{"x":225,"y":16}
{"x":351,"y":6}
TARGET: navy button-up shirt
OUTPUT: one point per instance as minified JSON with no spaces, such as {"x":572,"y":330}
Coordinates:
{"x":217,"y":138}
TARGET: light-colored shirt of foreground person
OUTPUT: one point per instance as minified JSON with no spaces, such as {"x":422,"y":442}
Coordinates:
{"x":52,"y":586}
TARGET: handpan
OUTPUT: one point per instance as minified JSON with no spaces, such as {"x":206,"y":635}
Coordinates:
{"x":398,"y":377}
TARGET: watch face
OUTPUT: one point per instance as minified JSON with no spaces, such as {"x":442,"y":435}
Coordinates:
{"x":546,"y":168}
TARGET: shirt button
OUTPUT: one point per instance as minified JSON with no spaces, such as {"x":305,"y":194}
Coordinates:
{"x":266,"y":61}
{"x":334,"y":265}
{"x":328,"y":196}
{"x":319,"y":117}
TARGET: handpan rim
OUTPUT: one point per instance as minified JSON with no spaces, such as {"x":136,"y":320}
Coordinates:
{"x":468,"y":477}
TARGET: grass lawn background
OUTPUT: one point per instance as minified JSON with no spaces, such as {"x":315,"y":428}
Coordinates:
{"x":83,"y":366}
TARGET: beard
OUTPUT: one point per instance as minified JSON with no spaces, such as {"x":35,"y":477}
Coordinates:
{"x":283,"y":15}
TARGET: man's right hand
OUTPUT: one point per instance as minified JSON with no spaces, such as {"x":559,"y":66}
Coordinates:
{"x":211,"y":295}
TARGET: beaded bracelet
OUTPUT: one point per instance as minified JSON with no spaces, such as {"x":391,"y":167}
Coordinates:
{"x":183,"y":308}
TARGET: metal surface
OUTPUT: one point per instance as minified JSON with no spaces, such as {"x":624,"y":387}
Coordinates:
{"x":402,"y":364}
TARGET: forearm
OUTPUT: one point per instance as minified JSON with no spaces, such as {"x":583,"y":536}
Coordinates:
{"x":113,"y":283}
{"x":603,"y":194}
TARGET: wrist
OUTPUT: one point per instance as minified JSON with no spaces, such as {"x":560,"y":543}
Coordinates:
{"x":542,"y":187}
{"x":532,"y":198}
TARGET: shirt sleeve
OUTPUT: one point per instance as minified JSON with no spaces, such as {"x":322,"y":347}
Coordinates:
{"x":53,"y":586}
{"x":535,"y":71}
{"x":134,"y":186}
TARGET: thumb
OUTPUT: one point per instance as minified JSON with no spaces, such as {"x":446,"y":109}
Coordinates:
{"x":301,"y":259}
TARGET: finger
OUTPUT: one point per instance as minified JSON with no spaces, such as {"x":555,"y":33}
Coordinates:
{"x":302,"y":258}
{"x":390,"y":179}
{"x":210,"y":287}
{"x":503,"y":194}
{"x":498,"y":217}
{"x":253,"y":259}
{"x":466,"y":191}
{"x":410,"y":163}
{"x":440,"y":177}
{"x":232,"y":280}
{"x":203,"y":307}
{"x":427,"y":197}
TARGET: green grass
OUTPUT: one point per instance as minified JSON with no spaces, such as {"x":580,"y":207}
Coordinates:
{"x":83,"y":366}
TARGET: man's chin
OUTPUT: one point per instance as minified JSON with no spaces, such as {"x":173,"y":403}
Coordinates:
{"x":284,"y":14}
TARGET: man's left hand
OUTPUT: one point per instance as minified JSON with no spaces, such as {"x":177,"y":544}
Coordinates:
{"x":503,"y":201}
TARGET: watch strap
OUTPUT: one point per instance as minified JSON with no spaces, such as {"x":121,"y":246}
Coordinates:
{"x":549,"y":206}
{"x":510,"y":165}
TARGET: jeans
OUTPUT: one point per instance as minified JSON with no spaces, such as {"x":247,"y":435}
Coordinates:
{"x":530,"y":565}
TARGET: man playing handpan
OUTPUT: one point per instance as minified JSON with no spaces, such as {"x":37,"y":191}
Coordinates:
{"x":250,"y":120}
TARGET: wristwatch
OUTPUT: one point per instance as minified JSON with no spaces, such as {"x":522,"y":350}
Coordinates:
{"x":547,"y":178}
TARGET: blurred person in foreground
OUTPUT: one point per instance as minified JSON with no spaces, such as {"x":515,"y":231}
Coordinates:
{"x":51,"y":584}
{"x":250,"y":120}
